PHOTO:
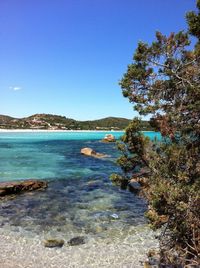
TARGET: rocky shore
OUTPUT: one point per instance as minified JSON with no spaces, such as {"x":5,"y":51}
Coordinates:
{"x":17,"y":187}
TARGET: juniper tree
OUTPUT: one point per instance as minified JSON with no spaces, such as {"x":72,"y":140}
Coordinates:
{"x":163,"y":81}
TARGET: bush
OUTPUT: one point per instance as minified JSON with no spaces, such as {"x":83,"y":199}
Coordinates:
{"x":164,"y":81}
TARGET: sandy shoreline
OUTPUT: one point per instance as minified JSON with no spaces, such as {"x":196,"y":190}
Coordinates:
{"x":61,"y":131}
{"x":51,"y":130}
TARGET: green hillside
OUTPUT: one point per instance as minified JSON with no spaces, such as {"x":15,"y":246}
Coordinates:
{"x":50,"y":121}
{"x":109,"y":122}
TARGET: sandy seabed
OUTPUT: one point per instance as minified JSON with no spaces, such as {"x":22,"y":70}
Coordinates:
{"x":21,"y":251}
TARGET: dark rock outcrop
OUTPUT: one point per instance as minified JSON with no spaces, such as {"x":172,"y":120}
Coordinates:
{"x":17,"y":187}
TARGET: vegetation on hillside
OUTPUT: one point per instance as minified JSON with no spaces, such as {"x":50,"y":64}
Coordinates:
{"x":114,"y":123}
{"x":164,"y":81}
{"x":49,"y":121}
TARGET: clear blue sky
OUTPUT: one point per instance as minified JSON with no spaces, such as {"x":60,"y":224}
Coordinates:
{"x":67,"y":56}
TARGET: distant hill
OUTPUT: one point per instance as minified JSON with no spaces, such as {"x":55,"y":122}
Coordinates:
{"x":108,"y":122}
{"x":57,"y":122}
{"x":5,"y":118}
{"x":37,"y":121}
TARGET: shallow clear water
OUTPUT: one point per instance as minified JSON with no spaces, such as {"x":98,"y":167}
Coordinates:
{"x":80,"y":199}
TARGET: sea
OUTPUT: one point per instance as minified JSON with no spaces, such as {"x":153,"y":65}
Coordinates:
{"x":80,"y":201}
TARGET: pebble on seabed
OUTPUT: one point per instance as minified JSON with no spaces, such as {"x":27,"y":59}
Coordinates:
{"x":114,"y":216}
{"x":52,"y":243}
{"x":75,"y":241}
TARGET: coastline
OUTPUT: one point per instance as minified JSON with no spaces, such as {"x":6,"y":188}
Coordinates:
{"x":62,"y":131}
{"x":56,"y":130}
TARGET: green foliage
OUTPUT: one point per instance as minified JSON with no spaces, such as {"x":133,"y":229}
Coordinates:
{"x":119,"y":180}
{"x":164,"y":81}
{"x":105,"y":123}
{"x":193,"y":20}
{"x":47,"y":121}
{"x":132,"y":147}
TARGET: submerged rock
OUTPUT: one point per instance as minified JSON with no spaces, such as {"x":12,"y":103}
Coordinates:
{"x":75,"y":241}
{"x":53,"y":243}
{"x":93,"y":185}
{"x":109,"y":138}
{"x":91,"y":152}
{"x":114,"y":216}
{"x":17,"y":187}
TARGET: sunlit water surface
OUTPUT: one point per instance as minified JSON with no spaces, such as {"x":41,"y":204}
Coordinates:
{"x":80,"y":199}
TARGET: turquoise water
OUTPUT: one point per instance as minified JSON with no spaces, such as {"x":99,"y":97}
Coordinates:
{"x":54,"y":155}
{"x":36,"y":136}
{"x":90,"y":135}
{"x":80,"y":198}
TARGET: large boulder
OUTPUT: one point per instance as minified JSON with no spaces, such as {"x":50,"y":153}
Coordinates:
{"x":134,"y":185}
{"x":109,"y":138}
{"x":88,"y":151}
{"x":17,"y":187}
{"x":91,"y":152}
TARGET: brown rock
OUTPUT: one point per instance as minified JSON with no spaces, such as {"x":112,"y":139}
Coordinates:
{"x":17,"y":187}
{"x":91,"y":152}
{"x":88,"y":151}
{"x":54,"y":243}
{"x":109,"y":138}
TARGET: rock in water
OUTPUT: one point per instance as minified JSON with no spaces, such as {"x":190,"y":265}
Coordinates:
{"x":88,"y":151}
{"x":75,"y":241}
{"x":109,"y":138}
{"x":91,"y":152}
{"x":53,"y":243}
{"x":134,"y":185}
{"x":17,"y":187}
